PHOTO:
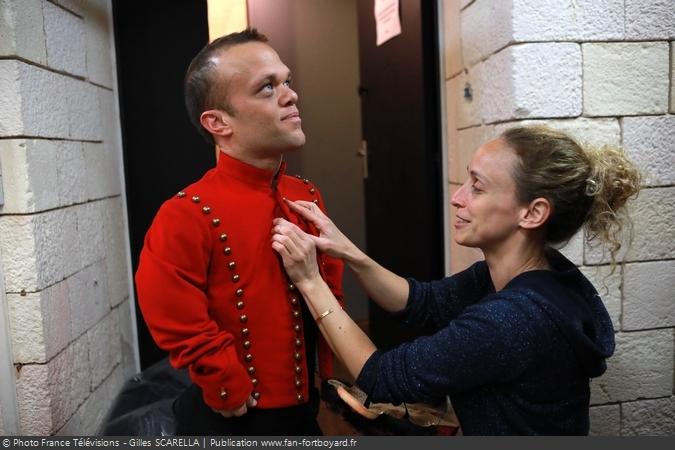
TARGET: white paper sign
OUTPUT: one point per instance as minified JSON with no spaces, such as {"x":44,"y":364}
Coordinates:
{"x":387,"y":20}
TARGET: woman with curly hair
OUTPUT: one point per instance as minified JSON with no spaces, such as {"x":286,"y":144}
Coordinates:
{"x":517,"y":336}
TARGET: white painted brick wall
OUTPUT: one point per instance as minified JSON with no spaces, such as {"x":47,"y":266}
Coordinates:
{"x":649,"y":290}
{"x":22,"y":30}
{"x":649,"y":417}
{"x":650,"y":19}
{"x":64,"y":34}
{"x":481,"y":18}
{"x":625,"y":78}
{"x":468,"y":108}
{"x":642,"y":367}
{"x":605,"y":420}
{"x":511,"y":89}
{"x":649,"y":141}
{"x":2,"y":423}
{"x":71,"y":172}
{"x":77,"y":7}
{"x":555,"y":20}
{"x":10,"y":100}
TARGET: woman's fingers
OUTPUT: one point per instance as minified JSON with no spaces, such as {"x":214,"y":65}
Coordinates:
{"x":308,"y":211}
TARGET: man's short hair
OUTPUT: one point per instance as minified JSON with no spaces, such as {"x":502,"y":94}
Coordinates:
{"x":201,"y":77}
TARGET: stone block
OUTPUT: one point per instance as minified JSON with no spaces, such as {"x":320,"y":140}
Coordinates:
{"x":48,"y":394}
{"x":641,"y":368}
{"x":653,"y":214}
{"x":102,"y":166}
{"x":605,"y":420}
{"x":89,"y":417}
{"x":649,"y":298}
{"x":104,"y":349}
{"x":22,"y":30}
{"x":128,"y":340}
{"x":485,"y":28}
{"x":30,"y":175}
{"x":469,"y":89}
{"x":653,"y":19}
{"x":89,"y":298}
{"x":76,"y":7}
{"x":40,"y":323}
{"x":10,"y":100}
{"x":464,"y":3}
{"x":39,"y":250}
{"x":71,"y":173}
{"x":66,"y":45}
{"x":33,"y":101}
{"x":98,"y":37}
{"x":672,"y":77}
{"x":628,"y":78}
{"x":649,"y":141}
{"x":649,"y":417}
{"x":512,"y":90}
{"x":451,"y":132}
{"x":90,"y":232}
{"x":608,"y":285}
{"x":115,"y":240}
{"x":553,"y":20}
{"x":452,"y":38}
{"x":84,"y":114}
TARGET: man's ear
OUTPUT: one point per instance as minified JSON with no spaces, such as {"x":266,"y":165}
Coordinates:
{"x":216,"y":122}
{"x":535,"y":214}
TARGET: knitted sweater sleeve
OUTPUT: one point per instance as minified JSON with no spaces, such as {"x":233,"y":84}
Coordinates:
{"x":433,"y":304}
{"x":492,"y":341}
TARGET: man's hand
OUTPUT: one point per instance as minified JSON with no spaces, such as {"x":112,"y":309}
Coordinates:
{"x":250,"y":403}
{"x":297,"y":251}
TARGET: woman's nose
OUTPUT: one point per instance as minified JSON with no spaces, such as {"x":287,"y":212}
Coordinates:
{"x":457,"y":199}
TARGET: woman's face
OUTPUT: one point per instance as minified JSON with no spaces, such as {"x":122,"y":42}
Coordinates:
{"x":488,"y":212}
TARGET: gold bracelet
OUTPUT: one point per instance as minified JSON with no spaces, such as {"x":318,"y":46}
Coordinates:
{"x":323,"y":314}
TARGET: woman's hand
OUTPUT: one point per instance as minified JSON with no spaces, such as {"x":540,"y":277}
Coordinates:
{"x":238,"y":412}
{"x":297,"y":251}
{"x":331,"y":241}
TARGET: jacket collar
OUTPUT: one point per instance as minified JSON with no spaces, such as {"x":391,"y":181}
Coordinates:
{"x":246,"y":173}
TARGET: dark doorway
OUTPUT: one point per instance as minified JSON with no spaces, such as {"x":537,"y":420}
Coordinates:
{"x":400,"y":104}
{"x":155,"y":41}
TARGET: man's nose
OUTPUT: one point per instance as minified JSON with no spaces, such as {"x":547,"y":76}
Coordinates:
{"x":290,"y":97}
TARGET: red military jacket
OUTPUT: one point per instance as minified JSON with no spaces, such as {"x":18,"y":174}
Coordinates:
{"x":215,"y":295}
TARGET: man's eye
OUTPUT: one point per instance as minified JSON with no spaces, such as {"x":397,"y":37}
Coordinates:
{"x":268,"y":87}
{"x":287,"y":83}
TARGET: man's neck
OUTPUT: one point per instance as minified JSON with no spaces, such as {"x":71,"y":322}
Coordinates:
{"x":270,"y":163}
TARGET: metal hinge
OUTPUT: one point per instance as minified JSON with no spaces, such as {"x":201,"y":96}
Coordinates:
{"x":363,"y":153}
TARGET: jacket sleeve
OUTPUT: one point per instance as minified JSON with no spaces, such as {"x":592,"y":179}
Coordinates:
{"x":491,"y":342}
{"x":171,"y":282}
{"x":433,"y":304}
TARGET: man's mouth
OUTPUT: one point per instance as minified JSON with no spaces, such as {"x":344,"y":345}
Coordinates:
{"x":461,"y":219}
{"x":292,"y":116}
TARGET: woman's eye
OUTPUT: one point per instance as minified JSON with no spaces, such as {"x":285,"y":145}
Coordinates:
{"x":475,"y":189}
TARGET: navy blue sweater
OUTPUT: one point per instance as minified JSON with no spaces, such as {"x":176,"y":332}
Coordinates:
{"x":514,"y":362}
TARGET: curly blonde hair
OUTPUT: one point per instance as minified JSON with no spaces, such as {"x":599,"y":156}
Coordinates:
{"x":587,"y":187}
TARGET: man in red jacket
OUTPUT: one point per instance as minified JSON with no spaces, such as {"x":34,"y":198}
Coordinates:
{"x":211,"y":288}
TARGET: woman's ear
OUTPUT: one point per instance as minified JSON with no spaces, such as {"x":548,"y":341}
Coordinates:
{"x":535,"y":214}
{"x":216,"y":122}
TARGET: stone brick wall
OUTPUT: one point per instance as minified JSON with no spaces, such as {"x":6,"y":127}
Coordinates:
{"x":602,"y":70}
{"x":62,"y":229}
